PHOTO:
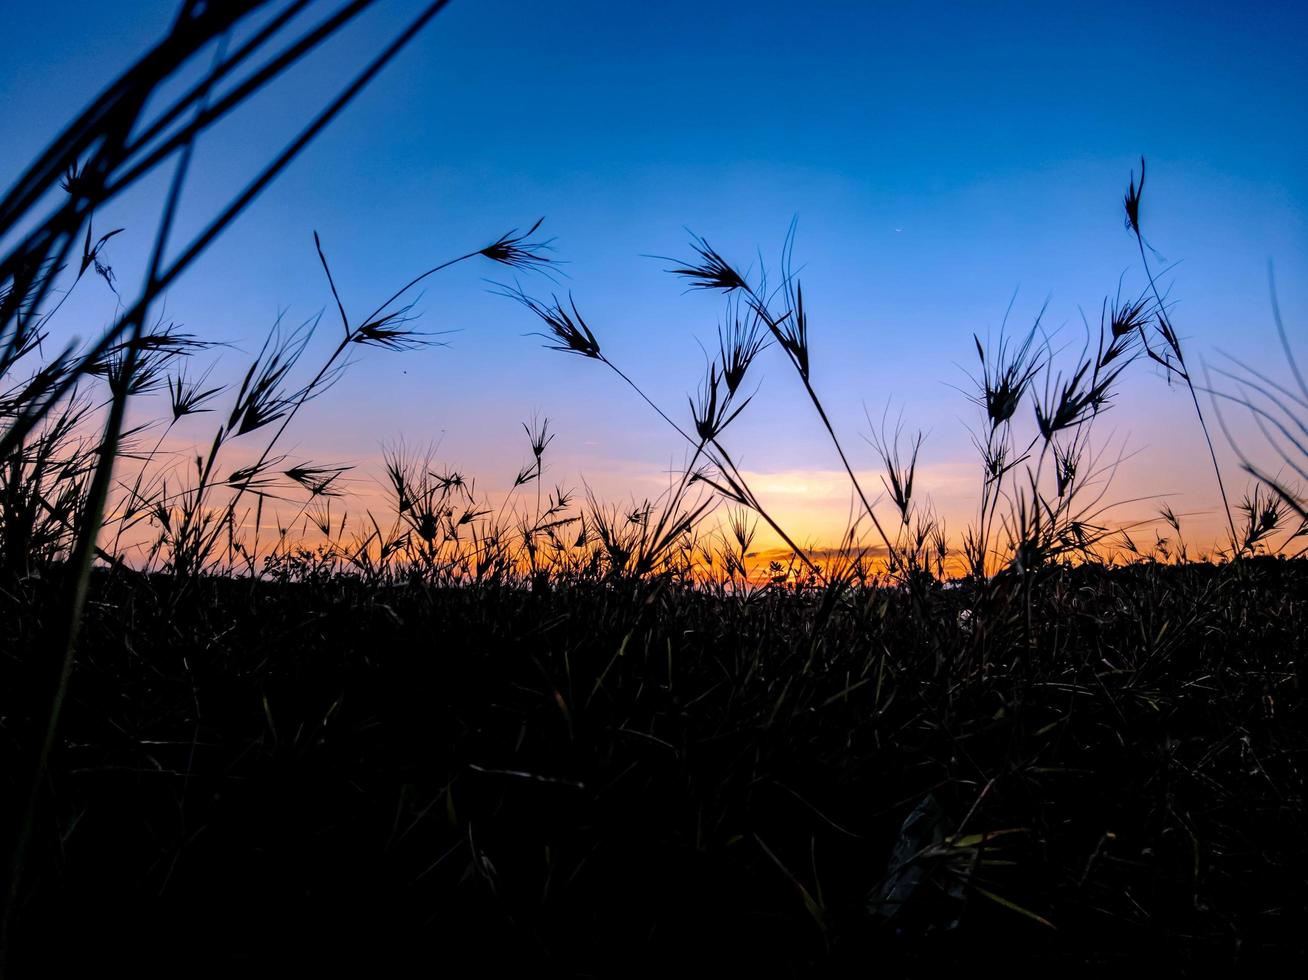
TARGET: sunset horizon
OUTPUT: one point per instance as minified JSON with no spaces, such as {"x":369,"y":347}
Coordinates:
{"x":895,"y":290}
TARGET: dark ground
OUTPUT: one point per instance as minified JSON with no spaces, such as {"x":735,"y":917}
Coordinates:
{"x":262,"y":778}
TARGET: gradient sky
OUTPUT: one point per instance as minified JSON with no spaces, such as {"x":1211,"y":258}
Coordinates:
{"x":938,"y":158}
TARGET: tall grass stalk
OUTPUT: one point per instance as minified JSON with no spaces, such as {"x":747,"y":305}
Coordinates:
{"x":28,"y":269}
{"x":1173,"y":341}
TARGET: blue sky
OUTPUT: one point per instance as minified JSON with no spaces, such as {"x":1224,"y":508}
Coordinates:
{"x":938,"y":158}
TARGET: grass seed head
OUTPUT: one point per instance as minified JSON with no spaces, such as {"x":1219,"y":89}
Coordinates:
{"x":1132,"y":200}
{"x":709,"y":270}
{"x":519,"y":252}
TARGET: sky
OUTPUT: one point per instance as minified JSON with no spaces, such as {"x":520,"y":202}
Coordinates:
{"x":941,"y":161}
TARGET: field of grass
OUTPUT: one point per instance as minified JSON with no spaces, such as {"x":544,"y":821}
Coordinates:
{"x":1091,"y":768}
{"x":245,"y":730}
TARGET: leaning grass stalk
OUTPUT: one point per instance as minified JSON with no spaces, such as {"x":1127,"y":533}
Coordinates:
{"x":1133,"y":217}
{"x":758,"y":509}
{"x":648,"y":401}
{"x":307,"y":392}
{"x":760,"y":307}
{"x":84,"y":548}
{"x":725,"y":458}
{"x":237,"y":95}
{"x":232,"y":210}
{"x":858,"y":487}
{"x":99,"y":134}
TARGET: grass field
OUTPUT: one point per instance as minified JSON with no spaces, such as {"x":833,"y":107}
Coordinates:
{"x":250,"y":726}
{"x":1091,"y":769}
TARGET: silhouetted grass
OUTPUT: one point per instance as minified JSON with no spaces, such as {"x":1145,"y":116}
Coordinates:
{"x":247,"y":732}
{"x":608,"y":779}
{"x":558,"y":734}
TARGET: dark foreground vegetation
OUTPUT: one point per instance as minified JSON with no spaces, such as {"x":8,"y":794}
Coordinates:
{"x":1087,"y":769}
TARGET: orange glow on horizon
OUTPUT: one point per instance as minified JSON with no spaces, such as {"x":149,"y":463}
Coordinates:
{"x":817,"y":508}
